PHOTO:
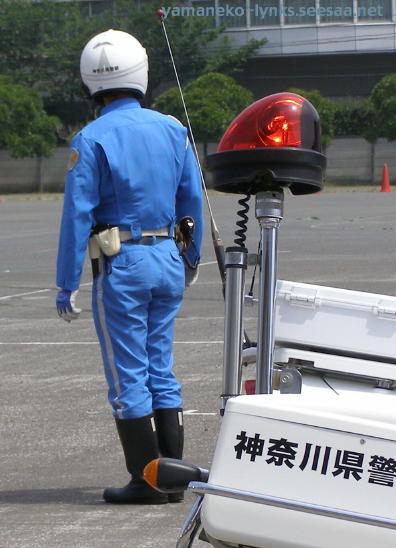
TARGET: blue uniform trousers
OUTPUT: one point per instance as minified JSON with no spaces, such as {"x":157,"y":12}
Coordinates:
{"x":135,"y":300}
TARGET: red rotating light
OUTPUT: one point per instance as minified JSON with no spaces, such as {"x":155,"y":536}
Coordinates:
{"x":279,"y":120}
{"x":272,"y":144}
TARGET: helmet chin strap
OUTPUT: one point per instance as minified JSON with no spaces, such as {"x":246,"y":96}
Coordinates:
{"x":216,"y":239}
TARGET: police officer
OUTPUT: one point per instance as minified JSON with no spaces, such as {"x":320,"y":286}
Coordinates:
{"x":132,"y":176}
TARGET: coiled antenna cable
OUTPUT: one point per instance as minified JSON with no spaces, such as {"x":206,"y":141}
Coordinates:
{"x":242,"y":223}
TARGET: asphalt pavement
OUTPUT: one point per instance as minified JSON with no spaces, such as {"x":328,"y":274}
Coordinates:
{"x":59,"y":447}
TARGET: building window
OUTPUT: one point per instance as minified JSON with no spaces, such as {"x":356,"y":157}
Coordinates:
{"x":264,"y":13}
{"x":232,"y":13}
{"x":336,"y":11}
{"x":374,"y":10}
{"x":299,"y":12}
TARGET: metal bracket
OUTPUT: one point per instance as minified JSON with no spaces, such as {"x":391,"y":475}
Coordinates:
{"x":191,"y":526}
{"x":304,"y":299}
{"x":385,"y":312}
{"x":290,"y":380}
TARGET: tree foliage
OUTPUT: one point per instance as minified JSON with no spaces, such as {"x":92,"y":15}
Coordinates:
{"x":25,"y":129}
{"x":213,"y":101}
{"x":197,"y":46}
{"x":355,"y":118}
{"x":383,"y":108}
{"x":372,"y":118}
{"x":41,"y":44}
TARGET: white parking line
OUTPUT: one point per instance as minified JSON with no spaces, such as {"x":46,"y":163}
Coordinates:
{"x":198,"y":342}
{"x":71,"y":343}
{"x":35,"y":292}
{"x":85,"y":284}
{"x":23,"y":294}
{"x":196,"y":412}
{"x":198,"y":318}
{"x":25,"y":234}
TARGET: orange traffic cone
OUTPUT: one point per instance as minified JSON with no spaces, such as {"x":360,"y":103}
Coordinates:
{"x":385,"y":185}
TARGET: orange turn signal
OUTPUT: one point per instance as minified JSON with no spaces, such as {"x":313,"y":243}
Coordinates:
{"x":172,"y":475}
{"x":150,"y":473}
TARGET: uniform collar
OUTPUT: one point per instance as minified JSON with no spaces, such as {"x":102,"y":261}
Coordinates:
{"x":126,"y":102}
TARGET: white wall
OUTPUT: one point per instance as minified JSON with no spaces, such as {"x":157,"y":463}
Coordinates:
{"x":348,"y":161}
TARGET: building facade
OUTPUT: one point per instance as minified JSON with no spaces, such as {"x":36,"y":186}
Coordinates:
{"x":340,"y":47}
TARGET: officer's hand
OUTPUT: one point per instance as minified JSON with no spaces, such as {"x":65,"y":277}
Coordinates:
{"x":191,"y":275}
{"x":65,"y":304}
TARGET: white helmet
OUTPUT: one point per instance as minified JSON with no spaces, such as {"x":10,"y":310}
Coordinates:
{"x":114,"y":60}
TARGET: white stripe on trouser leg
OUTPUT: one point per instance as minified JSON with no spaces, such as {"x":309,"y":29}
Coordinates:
{"x":107,"y":340}
{"x":180,"y":417}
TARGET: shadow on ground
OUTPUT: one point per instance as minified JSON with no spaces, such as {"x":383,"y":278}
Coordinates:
{"x":74,"y":496}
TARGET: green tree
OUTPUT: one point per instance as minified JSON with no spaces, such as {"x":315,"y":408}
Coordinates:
{"x":351,"y":118}
{"x":41,"y":44}
{"x":213,"y":100}
{"x":383,"y":103}
{"x":198,"y":47}
{"x":326,"y":110}
{"x":25,"y":128}
{"x":381,"y":115}
{"x":358,"y":118}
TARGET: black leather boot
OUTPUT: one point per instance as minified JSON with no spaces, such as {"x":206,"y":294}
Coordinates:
{"x":170,"y":433}
{"x":140,"y":445}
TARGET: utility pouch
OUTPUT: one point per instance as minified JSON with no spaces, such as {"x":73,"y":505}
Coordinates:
{"x":108,"y":241}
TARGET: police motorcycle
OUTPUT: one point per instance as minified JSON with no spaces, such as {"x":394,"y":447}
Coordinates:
{"x":307,"y":456}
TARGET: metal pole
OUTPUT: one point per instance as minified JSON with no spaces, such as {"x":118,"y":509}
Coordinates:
{"x":269,"y":213}
{"x":235,"y":264}
{"x":203,"y":489}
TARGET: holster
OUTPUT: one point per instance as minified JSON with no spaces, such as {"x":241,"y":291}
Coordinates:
{"x":95,"y":254}
{"x":184,"y":231}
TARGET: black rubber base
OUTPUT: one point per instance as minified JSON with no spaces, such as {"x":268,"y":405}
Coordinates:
{"x":255,"y":170}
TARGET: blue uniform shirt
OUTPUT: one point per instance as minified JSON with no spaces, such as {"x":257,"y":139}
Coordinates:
{"x":131,"y":167}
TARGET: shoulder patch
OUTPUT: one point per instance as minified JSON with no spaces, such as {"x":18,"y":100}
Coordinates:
{"x":73,"y":158}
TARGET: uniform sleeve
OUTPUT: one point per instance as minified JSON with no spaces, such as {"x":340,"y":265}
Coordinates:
{"x":189,"y":196}
{"x":80,"y":198}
